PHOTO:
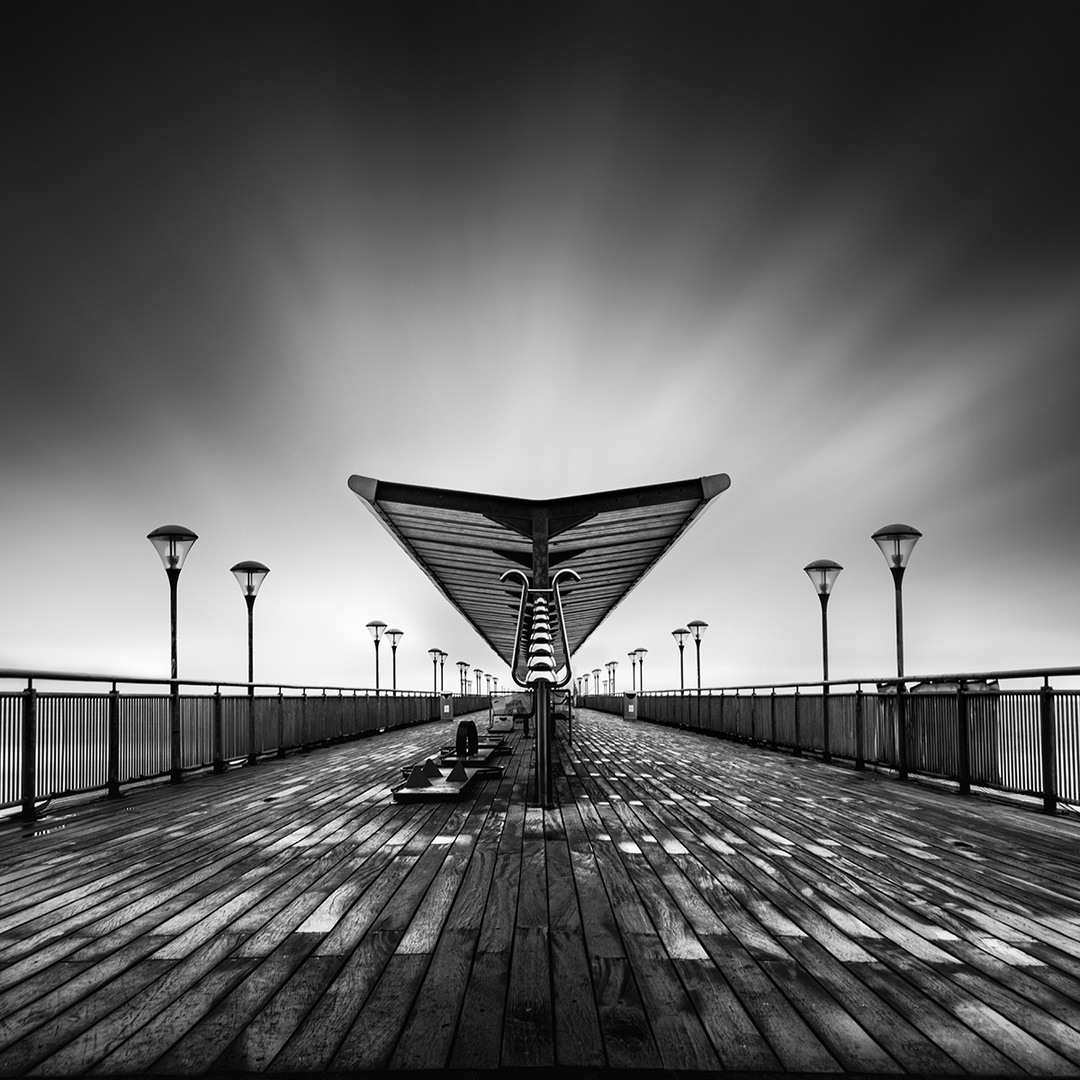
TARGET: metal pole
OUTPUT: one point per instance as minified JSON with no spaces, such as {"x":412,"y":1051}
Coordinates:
{"x":252,"y":756}
{"x":393,"y":660}
{"x":175,"y":771}
{"x":376,"y":667}
{"x":826,"y":755}
{"x":28,"y":794}
{"x":898,"y":579}
{"x":682,"y":681}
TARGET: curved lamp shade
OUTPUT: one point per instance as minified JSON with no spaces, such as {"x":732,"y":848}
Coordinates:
{"x":823,"y":574}
{"x":250,"y":575}
{"x":896,"y":542}
{"x":680,"y":635}
{"x":395,"y":636}
{"x":172,"y":542}
{"x":376,"y":627}
{"x":697,"y":628}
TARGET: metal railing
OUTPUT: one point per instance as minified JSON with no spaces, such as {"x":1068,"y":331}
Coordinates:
{"x":59,"y":742}
{"x":965,"y":728}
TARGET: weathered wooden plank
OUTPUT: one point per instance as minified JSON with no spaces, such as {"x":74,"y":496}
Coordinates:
{"x":313,"y":1045}
{"x":479,"y":1036}
{"x":528,"y":1027}
{"x":428,"y":1036}
{"x":578,"y":1041}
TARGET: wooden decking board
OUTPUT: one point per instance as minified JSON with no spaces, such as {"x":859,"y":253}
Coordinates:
{"x":689,"y":904}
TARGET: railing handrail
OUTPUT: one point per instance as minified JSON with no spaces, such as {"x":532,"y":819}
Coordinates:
{"x":35,"y":674}
{"x":885,"y":680}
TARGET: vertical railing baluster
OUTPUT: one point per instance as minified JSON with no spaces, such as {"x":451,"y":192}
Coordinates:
{"x":28,"y":786}
{"x":963,"y":737}
{"x":303,"y":722}
{"x":1048,"y":745}
{"x":113,"y":767}
{"x":772,"y":719}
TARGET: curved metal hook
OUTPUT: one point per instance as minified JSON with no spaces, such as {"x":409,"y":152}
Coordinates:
{"x":520,"y":620}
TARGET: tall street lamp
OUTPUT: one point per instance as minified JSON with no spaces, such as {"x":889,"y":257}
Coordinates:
{"x":462,"y":666}
{"x":640,"y":654}
{"x":596,"y":679}
{"x":613,"y":665}
{"x":896,"y":542}
{"x":823,"y":574}
{"x":680,"y":637}
{"x":477,"y":672}
{"x":434,"y":654}
{"x":442,"y":670}
{"x":376,"y":627}
{"x":395,"y":636}
{"x":697,"y":628}
{"x":250,"y":575}
{"x":633,"y":670}
{"x":172,"y":543}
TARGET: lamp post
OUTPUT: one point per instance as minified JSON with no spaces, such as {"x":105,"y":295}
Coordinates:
{"x":434,"y":654}
{"x":633,"y":670}
{"x":462,"y":666}
{"x":172,"y":543}
{"x":376,"y":627}
{"x":395,"y":636}
{"x":442,"y":670}
{"x":896,"y":542}
{"x":596,"y":679}
{"x":250,"y":575}
{"x":823,"y":574}
{"x":697,"y":628}
{"x":495,"y":682}
{"x":640,"y":654}
{"x":477,"y":673}
{"x":614,"y":665}
{"x":680,"y":637}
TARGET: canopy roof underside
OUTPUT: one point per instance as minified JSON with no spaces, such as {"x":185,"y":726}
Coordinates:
{"x":466,"y":541}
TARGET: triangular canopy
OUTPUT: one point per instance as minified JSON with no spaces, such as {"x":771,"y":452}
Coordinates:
{"x":465,"y":542}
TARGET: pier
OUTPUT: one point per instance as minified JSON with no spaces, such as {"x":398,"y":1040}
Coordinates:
{"x":687,"y":903}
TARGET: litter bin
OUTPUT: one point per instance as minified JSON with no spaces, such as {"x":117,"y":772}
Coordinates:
{"x":629,"y":706}
{"x":446,"y":706}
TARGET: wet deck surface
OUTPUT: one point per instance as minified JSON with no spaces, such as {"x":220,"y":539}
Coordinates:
{"x":691,"y":904}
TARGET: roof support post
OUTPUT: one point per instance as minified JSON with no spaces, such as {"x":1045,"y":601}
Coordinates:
{"x":542,"y":580}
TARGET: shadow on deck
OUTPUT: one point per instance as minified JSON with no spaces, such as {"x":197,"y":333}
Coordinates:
{"x":691,"y":904}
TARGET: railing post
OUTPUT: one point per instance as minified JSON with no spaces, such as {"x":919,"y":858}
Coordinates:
{"x":723,"y":730}
{"x":772,"y":719}
{"x":176,"y":774}
{"x":219,"y":733}
{"x":860,"y":728}
{"x":826,"y":755}
{"x":113,"y":768}
{"x":280,"y":723}
{"x":28,"y":793}
{"x":303,"y":722}
{"x":1048,"y":741}
{"x":798,"y":725}
{"x":901,"y":731}
{"x":252,"y":757}
{"x":963,"y":740}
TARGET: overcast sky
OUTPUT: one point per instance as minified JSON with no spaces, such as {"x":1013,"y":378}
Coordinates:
{"x":829,"y":249}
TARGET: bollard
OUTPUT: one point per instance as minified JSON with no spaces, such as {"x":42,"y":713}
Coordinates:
{"x":28,"y":794}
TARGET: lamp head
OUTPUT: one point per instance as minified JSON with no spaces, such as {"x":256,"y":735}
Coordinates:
{"x":697,"y":628}
{"x":250,"y":575}
{"x":896,"y":542}
{"x":680,"y":635}
{"x":172,"y":542}
{"x":377,"y":628}
{"x":395,"y":636}
{"x":823,"y":574}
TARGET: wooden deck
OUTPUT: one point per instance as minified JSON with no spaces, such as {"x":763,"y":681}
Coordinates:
{"x":691,"y":904}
